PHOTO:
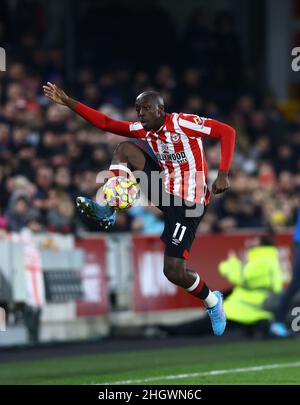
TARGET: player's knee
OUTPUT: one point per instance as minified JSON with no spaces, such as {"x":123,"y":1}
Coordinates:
{"x":122,"y":151}
{"x":127,"y":152}
{"x":174,"y":271}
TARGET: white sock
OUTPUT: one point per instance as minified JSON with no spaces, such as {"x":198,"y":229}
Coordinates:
{"x":211,"y":300}
{"x":121,"y":170}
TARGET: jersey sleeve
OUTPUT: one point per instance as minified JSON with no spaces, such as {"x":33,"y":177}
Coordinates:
{"x":195,"y":126}
{"x":102,"y":121}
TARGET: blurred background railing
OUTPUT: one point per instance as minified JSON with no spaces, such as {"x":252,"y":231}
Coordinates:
{"x":55,"y":288}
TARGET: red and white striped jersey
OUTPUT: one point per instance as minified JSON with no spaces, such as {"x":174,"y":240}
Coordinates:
{"x":180,"y":154}
{"x":177,"y":146}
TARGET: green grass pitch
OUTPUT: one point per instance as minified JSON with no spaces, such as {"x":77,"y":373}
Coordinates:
{"x":253,"y":362}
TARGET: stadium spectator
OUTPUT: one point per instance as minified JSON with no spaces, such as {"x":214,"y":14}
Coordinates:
{"x":52,"y":149}
{"x":19,"y":213}
{"x":146,"y":220}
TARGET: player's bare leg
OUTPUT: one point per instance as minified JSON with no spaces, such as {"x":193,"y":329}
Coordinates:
{"x":127,"y":157}
{"x":130,"y":155}
{"x":176,"y":272}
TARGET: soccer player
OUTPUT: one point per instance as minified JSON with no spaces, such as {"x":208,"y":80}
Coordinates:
{"x":176,"y":149}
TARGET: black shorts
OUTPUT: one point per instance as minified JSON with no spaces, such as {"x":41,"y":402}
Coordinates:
{"x":181,"y":218}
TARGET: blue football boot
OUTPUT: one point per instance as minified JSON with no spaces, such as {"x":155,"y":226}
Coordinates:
{"x":278,"y":329}
{"x":217,"y":315}
{"x":103,"y":213}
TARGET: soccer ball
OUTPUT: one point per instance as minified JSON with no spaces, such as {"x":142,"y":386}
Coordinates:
{"x":120,"y":192}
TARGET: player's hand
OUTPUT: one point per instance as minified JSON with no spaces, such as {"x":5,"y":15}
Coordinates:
{"x":55,"y":94}
{"x":221,"y":183}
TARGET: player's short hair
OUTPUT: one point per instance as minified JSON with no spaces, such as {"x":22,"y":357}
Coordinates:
{"x":154,"y":95}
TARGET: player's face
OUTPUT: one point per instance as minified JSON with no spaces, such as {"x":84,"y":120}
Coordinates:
{"x":149,"y":113}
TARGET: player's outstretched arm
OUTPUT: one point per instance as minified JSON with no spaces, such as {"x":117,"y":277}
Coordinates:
{"x":96,"y":118}
{"x":57,"y":95}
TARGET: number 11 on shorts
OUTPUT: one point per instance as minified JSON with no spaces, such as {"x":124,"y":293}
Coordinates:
{"x":177,"y":227}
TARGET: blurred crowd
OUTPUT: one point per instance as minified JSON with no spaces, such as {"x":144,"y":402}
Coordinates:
{"x":48,"y":155}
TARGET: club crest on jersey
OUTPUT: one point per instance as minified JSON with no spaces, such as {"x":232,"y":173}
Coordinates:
{"x":175,"y":137}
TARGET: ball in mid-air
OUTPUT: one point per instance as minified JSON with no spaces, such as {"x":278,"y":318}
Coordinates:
{"x":120,"y":192}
